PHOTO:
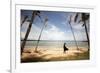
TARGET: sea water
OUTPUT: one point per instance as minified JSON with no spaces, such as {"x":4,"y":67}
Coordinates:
{"x":55,"y":43}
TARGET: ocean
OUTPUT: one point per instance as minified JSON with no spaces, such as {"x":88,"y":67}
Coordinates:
{"x":55,"y":44}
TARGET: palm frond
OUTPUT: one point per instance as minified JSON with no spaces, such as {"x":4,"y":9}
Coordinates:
{"x":85,"y":17}
{"x":24,"y":20}
{"x":76,"y":17}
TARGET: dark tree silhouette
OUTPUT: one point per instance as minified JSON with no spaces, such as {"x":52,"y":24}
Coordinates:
{"x":46,"y":19}
{"x":73,"y":32}
{"x":34,"y":14}
{"x":84,"y":18}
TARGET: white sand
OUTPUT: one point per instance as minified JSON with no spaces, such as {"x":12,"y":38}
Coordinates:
{"x":48,"y":54}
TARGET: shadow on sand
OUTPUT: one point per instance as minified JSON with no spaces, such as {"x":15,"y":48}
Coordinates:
{"x":40,"y":57}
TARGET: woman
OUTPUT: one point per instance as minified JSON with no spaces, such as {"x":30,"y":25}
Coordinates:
{"x":65,"y":48}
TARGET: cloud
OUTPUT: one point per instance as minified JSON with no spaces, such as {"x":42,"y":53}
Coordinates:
{"x":52,"y":32}
{"x":34,"y":32}
{"x":56,"y":31}
{"x":80,"y":35}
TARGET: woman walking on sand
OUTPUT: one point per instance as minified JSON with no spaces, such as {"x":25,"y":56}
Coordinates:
{"x":65,"y":48}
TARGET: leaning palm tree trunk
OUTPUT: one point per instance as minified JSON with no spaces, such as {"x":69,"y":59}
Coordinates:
{"x":73,"y":33}
{"x":40,"y":34}
{"x":27,"y":33}
{"x":84,"y":18}
{"x":39,"y":39}
{"x":87,"y":34}
{"x":74,"y":36}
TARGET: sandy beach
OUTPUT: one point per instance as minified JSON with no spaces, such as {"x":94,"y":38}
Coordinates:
{"x":55,"y":54}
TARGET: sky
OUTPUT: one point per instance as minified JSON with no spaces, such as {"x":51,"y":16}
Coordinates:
{"x":57,"y":27}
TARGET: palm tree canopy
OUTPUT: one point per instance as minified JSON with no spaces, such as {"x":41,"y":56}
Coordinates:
{"x":84,"y":17}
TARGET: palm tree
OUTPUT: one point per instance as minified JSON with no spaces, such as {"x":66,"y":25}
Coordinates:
{"x":84,"y":18}
{"x":73,"y":33}
{"x":34,"y":14}
{"x":45,"y":23}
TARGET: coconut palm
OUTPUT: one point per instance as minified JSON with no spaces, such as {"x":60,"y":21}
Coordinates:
{"x":73,"y":33}
{"x":45,"y":23}
{"x":84,"y":18}
{"x":34,"y":14}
